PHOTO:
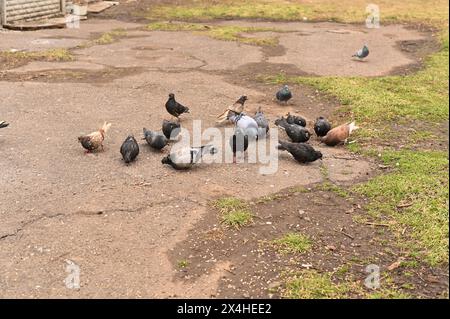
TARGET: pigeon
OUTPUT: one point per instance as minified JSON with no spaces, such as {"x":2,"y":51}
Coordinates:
{"x":362,"y":53}
{"x":129,"y":149}
{"x":169,"y":128}
{"x":284,"y":94}
{"x":321,"y":126}
{"x":247,"y":124}
{"x":297,"y":133}
{"x":295,"y":119}
{"x":94,"y":140}
{"x":261,"y":121}
{"x":302,"y":152}
{"x":174,"y":108}
{"x":339,"y":134}
{"x":237,"y":107}
{"x":156,"y":140}
{"x":238,"y":143}
{"x":185,"y":158}
{"x":3,"y":124}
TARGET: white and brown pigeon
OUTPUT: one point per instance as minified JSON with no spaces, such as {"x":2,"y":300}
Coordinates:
{"x":93,"y":141}
{"x":339,"y":134}
{"x":237,"y":107}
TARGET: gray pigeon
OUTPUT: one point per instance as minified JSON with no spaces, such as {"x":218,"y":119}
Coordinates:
{"x":185,"y":158}
{"x":246,"y":123}
{"x":156,"y":140}
{"x":284,"y":95}
{"x":3,"y":124}
{"x":170,"y":129}
{"x":362,"y":53}
{"x":321,"y":126}
{"x":262,"y":122}
{"x":297,"y":133}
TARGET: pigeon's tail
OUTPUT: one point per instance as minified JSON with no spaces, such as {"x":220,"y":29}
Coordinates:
{"x":166,"y":160}
{"x":259,"y":111}
{"x":106,"y":126}
{"x":209,"y":148}
{"x":127,"y":157}
{"x":3,"y":124}
{"x":351,"y":127}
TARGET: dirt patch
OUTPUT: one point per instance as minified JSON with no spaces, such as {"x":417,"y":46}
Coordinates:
{"x":72,"y":75}
{"x":417,"y":50}
{"x":338,"y":242}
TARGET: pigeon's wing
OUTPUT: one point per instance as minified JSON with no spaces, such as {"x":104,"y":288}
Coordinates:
{"x":223,"y":117}
{"x":182,"y":158}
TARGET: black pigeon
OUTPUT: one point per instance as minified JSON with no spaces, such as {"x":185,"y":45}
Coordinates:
{"x":295,"y":119}
{"x":297,"y":133}
{"x":284,"y":94}
{"x":129,"y":149}
{"x":3,"y":124}
{"x":238,"y":143}
{"x":174,"y":108}
{"x":302,"y":152}
{"x":261,"y":121}
{"x":321,"y":126}
{"x":185,"y":158}
{"x":156,"y":140}
{"x":170,"y":128}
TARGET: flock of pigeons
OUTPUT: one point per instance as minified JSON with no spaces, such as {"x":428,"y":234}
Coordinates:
{"x":247,"y":128}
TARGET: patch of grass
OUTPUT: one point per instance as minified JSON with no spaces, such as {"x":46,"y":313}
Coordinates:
{"x":234,"y":212}
{"x":225,"y":33}
{"x":330,"y":187}
{"x":293,"y":243}
{"x":183,"y":263}
{"x":227,"y":204}
{"x":237,"y":218}
{"x":52,"y":55}
{"x":342,"y":270}
{"x":349,"y":11}
{"x":110,"y":37}
{"x":420,"y":181}
{"x":387,"y":293}
{"x":298,"y":189}
{"x":269,"y":198}
{"x":309,"y":284}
